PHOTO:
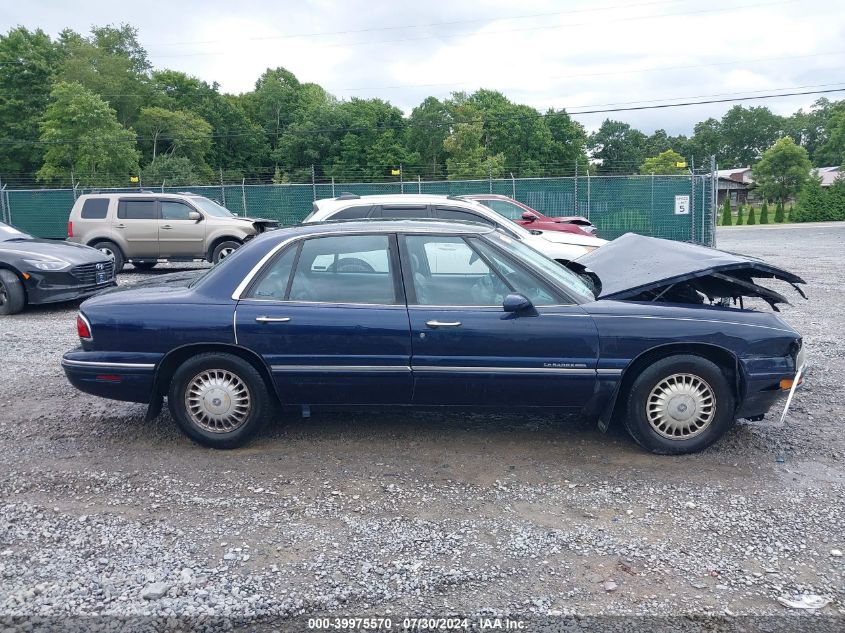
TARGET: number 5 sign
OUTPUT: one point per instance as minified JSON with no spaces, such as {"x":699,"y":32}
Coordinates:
{"x":681,"y":205}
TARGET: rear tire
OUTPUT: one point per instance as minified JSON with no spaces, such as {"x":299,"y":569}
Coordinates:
{"x":112,"y":250}
{"x":219,"y":400}
{"x":12,"y":295}
{"x":680,"y":404}
{"x":223,"y":250}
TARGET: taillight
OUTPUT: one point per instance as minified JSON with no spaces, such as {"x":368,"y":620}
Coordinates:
{"x":69,"y":228}
{"x":83,"y":328}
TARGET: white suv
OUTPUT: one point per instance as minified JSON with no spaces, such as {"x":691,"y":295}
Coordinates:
{"x":563,"y":247}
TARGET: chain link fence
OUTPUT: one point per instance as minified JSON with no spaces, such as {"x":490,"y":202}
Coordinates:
{"x":673,"y":207}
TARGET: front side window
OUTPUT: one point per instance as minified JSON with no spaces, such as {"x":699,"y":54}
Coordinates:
{"x":447,"y":271}
{"x":211,"y":208}
{"x":136,"y":210}
{"x":344,"y":269}
{"x":517,"y":278}
{"x":173,"y":210}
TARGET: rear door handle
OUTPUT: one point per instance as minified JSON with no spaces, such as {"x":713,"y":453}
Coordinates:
{"x":167,"y":226}
{"x":437,"y":324}
{"x":120,"y":226}
{"x":266,"y":319}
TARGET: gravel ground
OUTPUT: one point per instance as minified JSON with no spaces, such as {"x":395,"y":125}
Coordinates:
{"x":106,"y":520}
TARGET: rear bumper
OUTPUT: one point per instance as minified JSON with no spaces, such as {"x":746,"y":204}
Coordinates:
{"x":116,"y":379}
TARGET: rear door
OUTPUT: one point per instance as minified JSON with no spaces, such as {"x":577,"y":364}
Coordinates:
{"x":179,"y":235}
{"x":328,"y":316}
{"x":137,"y":223}
{"x":468,"y":351}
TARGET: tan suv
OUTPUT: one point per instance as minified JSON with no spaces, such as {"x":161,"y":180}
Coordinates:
{"x":143,"y":228}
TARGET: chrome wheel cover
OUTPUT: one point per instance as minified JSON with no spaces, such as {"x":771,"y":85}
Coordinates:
{"x":680,"y":406}
{"x":217,"y":401}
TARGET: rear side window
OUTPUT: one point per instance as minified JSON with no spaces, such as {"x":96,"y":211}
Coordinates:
{"x":95,"y":209}
{"x":352,"y":213}
{"x":448,"y":213}
{"x":136,"y":210}
{"x":395,"y":212}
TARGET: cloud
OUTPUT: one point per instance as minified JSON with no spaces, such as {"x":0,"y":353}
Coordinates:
{"x":543,"y":53}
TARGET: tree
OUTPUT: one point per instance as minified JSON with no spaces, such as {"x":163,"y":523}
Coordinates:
{"x":173,"y":171}
{"x":779,"y":211}
{"x":831,"y":152}
{"x":752,"y":219}
{"x":764,"y":213}
{"x":467,"y":156}
{"x":726,"y":212}
{"x":174,"y":133}
{"x":569,"y":141}
{"x":738,"y":214}
{"x":618,"y":146}
{"x":28,"y":62}
{"x":666,"y":163}
{"x":783,"y":170}
{"x":746,"y":133}
{"x":428,"y":127}
{"x":84,"y":137}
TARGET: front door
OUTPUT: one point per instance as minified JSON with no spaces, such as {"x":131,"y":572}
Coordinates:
{"x":178,"y":234}
{"x":328,"y":316}
{"x":466,"y":350}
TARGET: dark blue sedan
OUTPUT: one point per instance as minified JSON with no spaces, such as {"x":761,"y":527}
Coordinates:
{"x":428,"y":314}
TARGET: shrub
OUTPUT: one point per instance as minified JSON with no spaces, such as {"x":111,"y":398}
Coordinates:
{"x":779,"y":212}
{"x":751,"y":218}
{"x":817,"y":204}
{"x":738,"y":214}
{"x":727,"y":220}
{"x":764,"y":213}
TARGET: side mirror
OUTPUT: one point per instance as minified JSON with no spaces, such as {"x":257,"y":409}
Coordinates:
{"x":194,"y":215}
{"x":515,"y":302}
{"x":528,"y":216}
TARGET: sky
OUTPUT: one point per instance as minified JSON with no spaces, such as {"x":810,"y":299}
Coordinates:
{"x":578,"y":55}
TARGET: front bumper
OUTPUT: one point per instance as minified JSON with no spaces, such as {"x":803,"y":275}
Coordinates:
{"x":764,"y":380}
{"x":54,"y":287}
{"x":108,"y":376}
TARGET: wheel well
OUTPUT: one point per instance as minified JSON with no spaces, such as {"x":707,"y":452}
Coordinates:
{"x":104,"y":239}
{"x":219,"y":240}
{"x":725,"y":359}
{"x":168,"y":365}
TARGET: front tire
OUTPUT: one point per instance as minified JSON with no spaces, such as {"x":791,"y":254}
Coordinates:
{"x":680,"y":404}
{"x":112,"y":250}
{"x":219,"y":400}
{"x":144,"y":266}
{"x":12,"y":295}
{"x":223,"y":250}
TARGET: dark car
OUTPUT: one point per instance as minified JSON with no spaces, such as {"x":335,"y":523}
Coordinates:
{"x":427,"y":313}
{"x":531,"y":218}
{"x":34,"y":271}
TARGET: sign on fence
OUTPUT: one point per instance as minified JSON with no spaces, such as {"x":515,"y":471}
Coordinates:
{"x":681,"y":205}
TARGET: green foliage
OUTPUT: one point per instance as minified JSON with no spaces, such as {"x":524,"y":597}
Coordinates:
{"x":28,"y":62}
{"x":174,"y":133}
{"x":820,"y":204}
{"x":745,"y":133}
{"x":468,"y":158}
{"x":752,"y":218}
{"x":727,"y":220}
{"x":83,"y":136}
{"x":665,"y":163}
{"x":739,"y":219}
{"x":764,"y":213}
{"x":832,"y":150}
{"x":783,"y":170}
{"x":779,"y":212}
{"x":172,"y":171}
{"x":618,"y":146}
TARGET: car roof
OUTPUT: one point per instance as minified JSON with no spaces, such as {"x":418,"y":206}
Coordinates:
{"x":452,"y":227}
{"x":347,"y":200}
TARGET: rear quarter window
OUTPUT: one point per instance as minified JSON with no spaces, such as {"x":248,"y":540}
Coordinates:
{"x":95,"y":209}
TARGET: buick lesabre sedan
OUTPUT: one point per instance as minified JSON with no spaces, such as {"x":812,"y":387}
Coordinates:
{"x":425,"y":313}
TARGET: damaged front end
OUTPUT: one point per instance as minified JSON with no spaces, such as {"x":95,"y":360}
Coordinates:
{"x":638,"y":268}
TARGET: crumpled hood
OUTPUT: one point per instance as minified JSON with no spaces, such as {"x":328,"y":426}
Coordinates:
{"x":635,"y":266}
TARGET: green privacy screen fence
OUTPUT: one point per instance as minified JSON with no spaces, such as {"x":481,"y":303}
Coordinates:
{"x":672,"y":207}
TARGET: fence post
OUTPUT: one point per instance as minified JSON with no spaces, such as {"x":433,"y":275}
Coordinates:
{"x":8,"y":204}
{"x":401,"y":179}
{"x":333,"y":187}
{"x":576,"y":186}
{"x":2,"y":201}
{"x":652,"y":196}
{"x":222,"y":188}
{"x":163,"y":180}
{"x":714,"y":195}
{"x":419,"y":183}
{"x":243,"y":195}
{"x":589,"y":204}
{"x":313,"y":185}
{"x":513,"y":187}
{"x":490,"y":175}
{"x":692,"y":199}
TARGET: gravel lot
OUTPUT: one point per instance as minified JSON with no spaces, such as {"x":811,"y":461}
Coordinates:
{"x":421,"y":514}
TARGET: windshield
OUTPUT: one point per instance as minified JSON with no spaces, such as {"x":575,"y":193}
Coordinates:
{"x":11,"y":233}
{"x":550,"y":268}
{"x":212,"y":208}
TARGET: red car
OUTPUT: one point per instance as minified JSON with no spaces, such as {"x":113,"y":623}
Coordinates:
{"x":533,"y":219}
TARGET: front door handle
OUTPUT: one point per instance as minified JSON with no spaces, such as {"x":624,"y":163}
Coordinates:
{"x":120,"y":226}
{"x":437,"y":324}
{"x":167,"y":226}
{"x":266,"y":319}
